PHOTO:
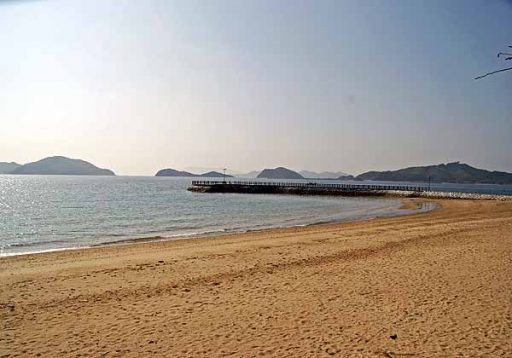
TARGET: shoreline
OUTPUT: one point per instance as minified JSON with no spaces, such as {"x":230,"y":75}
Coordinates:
{"x":414,"y":208}
{"x":435,"y":281}
{"x":408,"y":206}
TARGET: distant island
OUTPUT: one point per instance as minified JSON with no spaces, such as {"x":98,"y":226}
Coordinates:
{"x":7,"y":168}
{"x":179,"y":173}
{"x":279,"y":173}
{"x":308,"y":174}
{"x":455,"y":172}
{"x":173,"y":173}
{"x":59,"y":166}
{"x":214,"y":174}
{"x":250,"y":175}
{"x":346,"y":177}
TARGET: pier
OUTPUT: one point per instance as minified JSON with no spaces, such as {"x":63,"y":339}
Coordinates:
{"x":301,"y":188}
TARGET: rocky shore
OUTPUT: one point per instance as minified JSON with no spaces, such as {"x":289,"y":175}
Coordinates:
{"x":446,"y":195}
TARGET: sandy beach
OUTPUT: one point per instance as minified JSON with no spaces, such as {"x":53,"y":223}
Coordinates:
{"x":436,"y":284}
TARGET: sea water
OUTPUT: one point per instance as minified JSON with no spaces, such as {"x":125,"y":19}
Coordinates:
{"x":43,"y":213}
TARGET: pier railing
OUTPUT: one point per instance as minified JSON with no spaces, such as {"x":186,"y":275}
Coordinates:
{"x":315,"y":185}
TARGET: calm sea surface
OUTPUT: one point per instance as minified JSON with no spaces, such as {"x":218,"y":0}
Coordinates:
{"x":40,"y":213}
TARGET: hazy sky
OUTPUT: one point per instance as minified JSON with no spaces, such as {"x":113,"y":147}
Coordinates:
{"x":136,"y":86}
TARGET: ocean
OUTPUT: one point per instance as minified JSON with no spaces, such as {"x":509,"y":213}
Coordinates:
{"x":45,"y":213}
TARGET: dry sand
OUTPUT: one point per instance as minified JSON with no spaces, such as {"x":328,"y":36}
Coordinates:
{"x":429,"y":285}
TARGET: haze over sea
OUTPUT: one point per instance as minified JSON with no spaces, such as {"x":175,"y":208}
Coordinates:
{"x":41,"y":213}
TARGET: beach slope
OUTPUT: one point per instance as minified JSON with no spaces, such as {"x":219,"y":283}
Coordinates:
{"x":437,"y":284}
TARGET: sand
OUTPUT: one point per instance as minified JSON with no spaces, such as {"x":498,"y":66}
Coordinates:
{"x":437,"y":284}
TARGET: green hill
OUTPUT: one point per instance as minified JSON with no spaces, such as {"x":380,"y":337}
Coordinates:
{"x":214,"y":174}
{"x":61,"y":166}
{"x":443,"y":173}
{"x":279,"y":173}
{"x":7,"y":168}
{"x":174,"y":173}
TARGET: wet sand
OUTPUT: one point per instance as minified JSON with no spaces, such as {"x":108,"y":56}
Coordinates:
{"x":437,"y":284}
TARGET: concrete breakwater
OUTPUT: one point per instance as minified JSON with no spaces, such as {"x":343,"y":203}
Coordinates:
{"x":294,"y":188}
{"x":457,"y":195}
{"x":302,"y":188}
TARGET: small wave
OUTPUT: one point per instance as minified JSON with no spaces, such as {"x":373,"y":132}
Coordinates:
{"x":188,"y":230}
{"x":36,"y":243}
{"x":9,"y":254}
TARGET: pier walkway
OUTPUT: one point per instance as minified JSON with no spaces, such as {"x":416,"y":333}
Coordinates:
{"x":300,"y":188}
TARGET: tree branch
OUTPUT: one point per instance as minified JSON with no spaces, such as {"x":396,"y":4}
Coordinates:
{"x":492,"y":73}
